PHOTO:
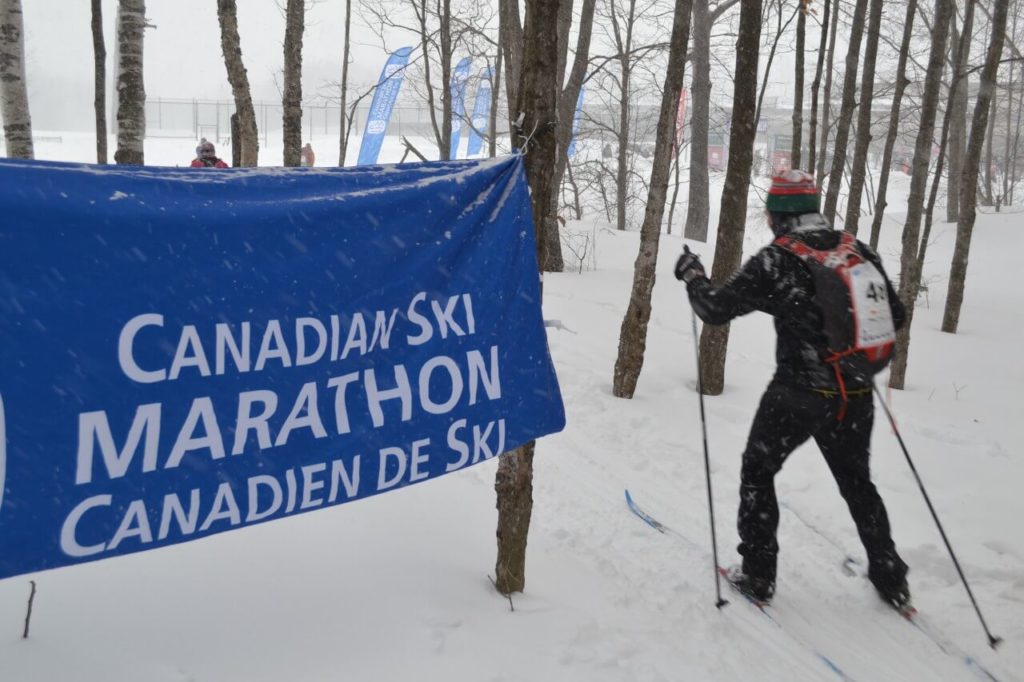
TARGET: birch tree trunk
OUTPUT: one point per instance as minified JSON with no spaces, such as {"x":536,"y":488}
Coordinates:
{"x":867,"y":92}
{"x":894,"y":122}
{"x":231,"y":47}
{"x":633,"y":333}
{"x":291,"y":100}
{"x":910,"y":274}
{"x":969,"y":176}
{"x":99,"y":51}
{"x":538,"y":90}
{"x":131,"y":89}
{"x":835,"y":178}
{"x":13,"y":88}
{"x":732,"y":219}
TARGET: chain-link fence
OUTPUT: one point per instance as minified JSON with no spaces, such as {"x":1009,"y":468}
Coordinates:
{"x":194,"y":119}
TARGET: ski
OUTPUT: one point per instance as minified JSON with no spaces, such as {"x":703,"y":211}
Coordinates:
{"x":763,"y":608}
{"x":909,"y":613}
{"x":644,"y":516}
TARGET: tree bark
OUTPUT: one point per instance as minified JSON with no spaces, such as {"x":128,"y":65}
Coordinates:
{"x":13,"y":88}
{"x":291,"y":122}
{"x":826,"y":105}
{"x":987,"y":198}
{"x":961,"y":50}
{"x":798,"y":88}
{"x":835,"y":178}
{"x":231,"y":47}
{"x":131,"y":89}
{"x":346,"y":51}
{"x":511,"y":47}
{"x":633,"y":333}
{"x":969,"y":177}
{"x":894,"y":122}
{"x":733,"y":214}
{"x":698,"y":210}
{"x":867,"y":92}
{"x":910,"y":275}
{"x":99,"y":51}
{"x":812,"y":130}
{"x":538,"y":90}
{"x":445,"y":30}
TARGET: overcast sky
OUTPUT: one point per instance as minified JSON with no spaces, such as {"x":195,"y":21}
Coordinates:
{"x":182,"y":54}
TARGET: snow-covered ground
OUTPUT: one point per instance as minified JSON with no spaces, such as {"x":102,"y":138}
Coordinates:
{"x":396,"y":586}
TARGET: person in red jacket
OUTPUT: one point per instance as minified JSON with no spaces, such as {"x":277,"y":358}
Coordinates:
{"x":207,"y":156}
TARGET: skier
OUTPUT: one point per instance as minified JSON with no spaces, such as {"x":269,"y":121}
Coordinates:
{"x":206,"y":156}
{"x":823,"y":382}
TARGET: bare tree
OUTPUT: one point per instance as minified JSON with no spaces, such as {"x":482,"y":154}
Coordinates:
{"x":958,"y":89}
{"x":99,"y":51}
{"x":131,"y":89}
{"x":826,"y":100}
{"x":566,"y":107}
{"x":798,"y":87}
{"x":345,"y":126}
{"x":511,"y":48}
{"x":835,"y":178}
{"x":815,"y":84}
{"x":780,"y":29}
{"x":622,"y":32}
{"x":969,"y":177}
{"x":732,"y":219}
{"x":633,"y":334}
{"x":910,"y":274}
{"x":291,"y":98}
{"x":231,"y":47}
{"x":858,"y":169}
{"x":894,"y":121}
{"x":699,"y":200}
{"x":537,"y":89}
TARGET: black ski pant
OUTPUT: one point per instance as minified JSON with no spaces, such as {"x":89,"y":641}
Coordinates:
{"x":786,"y":418}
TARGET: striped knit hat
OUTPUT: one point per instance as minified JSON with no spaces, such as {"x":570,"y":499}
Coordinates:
{"x":793,"y":191}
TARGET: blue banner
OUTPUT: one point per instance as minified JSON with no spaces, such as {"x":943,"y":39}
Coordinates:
{"x":460,"y":75}
{"x":390,"y":82}
{"x":187,"y":352}
{"x":575,"y":124}
{"x":481,"y":112}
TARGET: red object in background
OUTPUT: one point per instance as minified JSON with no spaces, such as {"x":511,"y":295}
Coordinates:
{"x":781,"y":160}
{"x":716,"y":157}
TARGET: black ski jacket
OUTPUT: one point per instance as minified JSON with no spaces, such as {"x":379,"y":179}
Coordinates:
{"x":778,"y":282}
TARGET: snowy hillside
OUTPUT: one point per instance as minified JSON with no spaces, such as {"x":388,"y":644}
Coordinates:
{"x":396,"y":586}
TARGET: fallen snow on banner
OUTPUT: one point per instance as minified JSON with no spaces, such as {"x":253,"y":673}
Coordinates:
{"x":188,"y":352}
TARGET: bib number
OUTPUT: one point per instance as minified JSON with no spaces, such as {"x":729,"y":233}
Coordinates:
{"x":871,"y":306}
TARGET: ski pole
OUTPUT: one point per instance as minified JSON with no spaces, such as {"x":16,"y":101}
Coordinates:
{"x":719,"y":602}
{"x":993,"y":641}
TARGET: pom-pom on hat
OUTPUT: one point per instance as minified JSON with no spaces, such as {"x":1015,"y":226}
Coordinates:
{"x":793,"y":191}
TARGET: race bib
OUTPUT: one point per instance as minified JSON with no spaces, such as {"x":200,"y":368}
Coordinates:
{"x":871,"y":311}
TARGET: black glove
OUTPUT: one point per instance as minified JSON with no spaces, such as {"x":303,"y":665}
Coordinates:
{"x":689,"y":267}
